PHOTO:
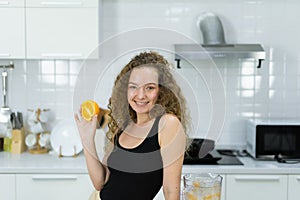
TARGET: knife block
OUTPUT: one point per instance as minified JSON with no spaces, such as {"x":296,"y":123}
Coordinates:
{"x":18,"y":141}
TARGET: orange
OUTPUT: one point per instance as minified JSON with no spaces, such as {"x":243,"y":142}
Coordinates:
{"x":196,"y":184}
{"x":89,"y":108}
{"x":191,"y":196}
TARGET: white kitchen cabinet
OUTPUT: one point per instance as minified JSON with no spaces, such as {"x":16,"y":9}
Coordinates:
{"x":294,"y":187}
{"x":12,"y":23}
{"x":7,"y":186}
{"x":253,"y":187}
{"x":53,"y":186}
{"x":61,"y":29}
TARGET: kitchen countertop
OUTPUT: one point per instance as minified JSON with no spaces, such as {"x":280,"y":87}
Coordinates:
{"x":250,"y":166}
{"x":41,"y":163}
{"x":47,"y":163}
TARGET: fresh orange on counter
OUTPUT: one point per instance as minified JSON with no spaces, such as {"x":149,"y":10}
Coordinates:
{"x":89,"y":108}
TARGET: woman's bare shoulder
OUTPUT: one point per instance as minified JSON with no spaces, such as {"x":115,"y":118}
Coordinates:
{"x":169,"y":127}
{"x":169,"y":119}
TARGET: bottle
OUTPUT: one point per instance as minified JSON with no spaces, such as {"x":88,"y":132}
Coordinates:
{"x":1,"y":143}
{"x":8,"y":138}
{"x":7,"y":144}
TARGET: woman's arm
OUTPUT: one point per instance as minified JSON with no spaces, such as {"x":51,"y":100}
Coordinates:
{"x":98,"y":172}
{"x":172,"y":141}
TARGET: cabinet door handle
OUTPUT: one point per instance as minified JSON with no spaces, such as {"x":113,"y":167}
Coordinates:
{"x":61,"y":54}
{"x":298,"y":178}
{"x":54,"y":177}
{"x":261,"y":178}
{"x":4,"y":55}
{"x":61,"y":3}
{"x":4,"y":3}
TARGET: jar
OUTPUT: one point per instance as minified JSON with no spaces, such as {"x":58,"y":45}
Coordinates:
{"x":203,"y":186}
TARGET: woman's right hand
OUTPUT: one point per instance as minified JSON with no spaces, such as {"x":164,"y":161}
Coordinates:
{"x":87,"y":131}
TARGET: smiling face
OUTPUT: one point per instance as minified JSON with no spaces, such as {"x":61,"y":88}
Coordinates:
{"x":143,"y":89}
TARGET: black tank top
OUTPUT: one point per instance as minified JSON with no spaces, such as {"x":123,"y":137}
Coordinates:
{"x":137,"y":173}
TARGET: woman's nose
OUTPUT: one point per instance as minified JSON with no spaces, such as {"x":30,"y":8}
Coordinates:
{"x":140,"y":92}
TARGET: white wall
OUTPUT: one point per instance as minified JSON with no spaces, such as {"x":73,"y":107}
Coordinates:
{"x":272,"y":91}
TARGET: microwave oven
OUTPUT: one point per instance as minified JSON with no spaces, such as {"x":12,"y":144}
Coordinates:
{"x":270,"y":139}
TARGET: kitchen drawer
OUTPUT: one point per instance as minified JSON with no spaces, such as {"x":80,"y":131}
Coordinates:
{"x":294,"y":187}
{"x":12,"y":3}
{"x":254,"y":187}
{"x":62,"y":3}
{"x":7,"y":186}
{"x":53,"y":186}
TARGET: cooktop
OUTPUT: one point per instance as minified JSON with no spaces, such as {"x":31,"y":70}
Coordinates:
{"x":212,"y":158}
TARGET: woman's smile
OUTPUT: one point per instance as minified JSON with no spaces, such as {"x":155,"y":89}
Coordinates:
{"x":139,"y":103}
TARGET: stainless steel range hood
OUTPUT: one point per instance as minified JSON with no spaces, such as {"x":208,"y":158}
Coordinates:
{"x":214,"y":45}
{"x":206,"y":51}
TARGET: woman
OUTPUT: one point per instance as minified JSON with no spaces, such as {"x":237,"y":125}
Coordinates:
{"x":146,"y":133}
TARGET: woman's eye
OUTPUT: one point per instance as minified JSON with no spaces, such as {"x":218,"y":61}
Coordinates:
{"x":132,"y":87}
{"x":150,"y":88}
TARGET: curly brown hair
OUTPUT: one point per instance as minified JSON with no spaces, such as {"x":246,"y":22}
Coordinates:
{"x":170,"y":97}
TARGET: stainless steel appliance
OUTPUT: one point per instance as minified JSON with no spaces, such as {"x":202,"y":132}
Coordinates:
{"x":273,"y":139}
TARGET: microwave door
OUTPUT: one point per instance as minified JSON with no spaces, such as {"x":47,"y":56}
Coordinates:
{"x":278,"y":140}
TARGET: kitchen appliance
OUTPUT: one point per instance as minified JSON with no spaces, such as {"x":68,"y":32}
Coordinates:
{"x":5,"y":110}
{"x":211,"y":28}
{"x":272,"y":139}
{"x":214,"y":44}
{"x":202,"y":152}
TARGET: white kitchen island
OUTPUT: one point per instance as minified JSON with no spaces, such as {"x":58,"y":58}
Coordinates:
{"x":25,"y":175}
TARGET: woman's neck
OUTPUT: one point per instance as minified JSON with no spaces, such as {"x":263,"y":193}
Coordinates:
{"x":142,"y":119}
{"x":141,"y":128}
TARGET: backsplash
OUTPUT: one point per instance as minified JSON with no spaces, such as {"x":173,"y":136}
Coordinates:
{"x":273,"y":91}
{"x":47,"y":84}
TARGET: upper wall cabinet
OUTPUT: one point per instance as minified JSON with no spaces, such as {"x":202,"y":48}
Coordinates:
{"x":61,"y":29}
{"x":12,"y":35}
{"x":49,"y":29}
